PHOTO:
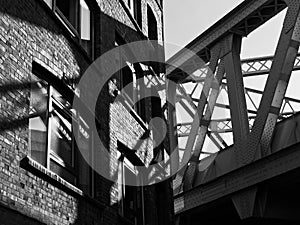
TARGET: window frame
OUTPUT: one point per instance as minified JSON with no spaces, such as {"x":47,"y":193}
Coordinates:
{"x":126,"y":164}
{"x":76,"y":31}
{"x":152,"y":29}
{"x":130,"y":67}
{"x":137,"y":12}
{"x":51,"y":112}
{"x":74,"y":118}
{"x":65,"y":20}
{"x":51,"y":154}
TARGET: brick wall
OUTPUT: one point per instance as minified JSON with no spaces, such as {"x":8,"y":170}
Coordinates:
{"x":24,"y":38}
{"x":29,"y":32}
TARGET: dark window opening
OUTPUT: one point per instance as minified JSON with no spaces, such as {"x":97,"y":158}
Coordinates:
{"x":69,"y":10}
{"x":156,"y":111}
{"x":129,"y":196}
{"x":127,"y":82}
{"x":128,"y":203}
{"x":152,"y":25}
{"x":126,"y":75}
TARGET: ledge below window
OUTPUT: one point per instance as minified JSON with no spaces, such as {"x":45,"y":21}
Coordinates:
{"x":37,"y":169}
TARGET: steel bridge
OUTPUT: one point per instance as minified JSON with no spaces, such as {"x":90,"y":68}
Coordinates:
{"x":254,"y":179}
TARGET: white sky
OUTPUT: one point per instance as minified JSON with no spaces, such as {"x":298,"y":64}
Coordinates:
{"x":186,"y":19}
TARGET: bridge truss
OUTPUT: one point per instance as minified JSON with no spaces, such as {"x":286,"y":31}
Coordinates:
{"x":251,"y":120}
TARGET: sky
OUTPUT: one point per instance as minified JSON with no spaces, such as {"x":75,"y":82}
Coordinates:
{"x":186,"y":19}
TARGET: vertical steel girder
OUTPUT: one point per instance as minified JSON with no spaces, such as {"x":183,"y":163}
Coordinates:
{"x":269,"y":109}
{"x":237,"y":100}
{"x":231,"y":62}
{"x":277,"y":82}
{"x":172,"y":127}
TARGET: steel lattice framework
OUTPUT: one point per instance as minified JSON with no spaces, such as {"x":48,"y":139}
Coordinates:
{"x":250,"y":67}
{"x":252,"y":128}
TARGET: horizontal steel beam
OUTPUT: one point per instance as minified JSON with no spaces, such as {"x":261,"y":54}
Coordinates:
{"x":221,"y":126}
{"x":250,"y":67}
{"x":262,"y":65}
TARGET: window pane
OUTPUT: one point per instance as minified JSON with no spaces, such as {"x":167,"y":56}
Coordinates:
{"x":85,"y":23}
{"x":61,"y":137}
{"x":60,"y":99}
{"x":85,"y":27}
{"x":83,"y":135}
{"x":68,"y":9}
{"x":49,"y":3}
{"x":38,"y":120}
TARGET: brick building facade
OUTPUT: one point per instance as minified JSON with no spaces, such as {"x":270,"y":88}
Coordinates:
{"x":45,"y":47}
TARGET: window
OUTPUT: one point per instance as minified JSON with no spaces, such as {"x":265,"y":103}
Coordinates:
{"x":49,"y":3}
{"x":135,"y":9}
{"x":127,"y":82}
{"x":127,"y":173}
{"x":152,"y":25}
{"x":61,"y":146}
{"x":68,"y":10}
{"x":38,"y":120}
{"x":51,"y":136}
{"x":85,"y":26}
{"x":128,"y":208}
{"x":126,"y":77}
{"x":77,"y":17}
